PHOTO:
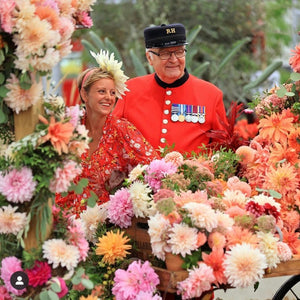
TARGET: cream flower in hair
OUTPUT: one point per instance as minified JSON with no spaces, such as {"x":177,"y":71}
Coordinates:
{"x":109,"y":64}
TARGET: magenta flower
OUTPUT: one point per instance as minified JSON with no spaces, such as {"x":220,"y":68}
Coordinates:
{"x":64,"y":289}
{"x":120,"y":208}
{"x":18,"y":185}
{"x":10,"y":265}
{"x":138,"y":278}
{"x":156,"y":171}
{"x":39,"y":274}
{"x":4,"y":293}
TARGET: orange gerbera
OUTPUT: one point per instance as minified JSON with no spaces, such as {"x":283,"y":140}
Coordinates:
{"x":59,"y":134}
{"x":90,"y":297}
{"x":112,"y":246}
{"x":276,"y":128}
{"x":282,"y":179}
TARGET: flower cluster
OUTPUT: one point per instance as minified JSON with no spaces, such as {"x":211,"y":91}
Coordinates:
{"x":215,"y":223}
{"x":32,"y":170}
{"x":34,"y":37}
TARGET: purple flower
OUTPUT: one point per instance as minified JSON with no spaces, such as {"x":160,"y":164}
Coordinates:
{"x":18,"y":185}
{"x":120,"y":208}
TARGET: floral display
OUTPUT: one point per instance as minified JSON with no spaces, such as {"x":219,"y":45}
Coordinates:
{"x":34,"y":37}
{"x":229,"y":214}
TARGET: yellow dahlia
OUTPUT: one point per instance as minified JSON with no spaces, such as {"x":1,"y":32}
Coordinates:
{"x":112,"y":246}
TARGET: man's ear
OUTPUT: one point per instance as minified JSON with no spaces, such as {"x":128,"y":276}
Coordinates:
{"x":149,"y":58}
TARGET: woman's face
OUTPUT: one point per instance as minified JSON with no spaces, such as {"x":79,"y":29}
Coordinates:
{"x":101,"y":97}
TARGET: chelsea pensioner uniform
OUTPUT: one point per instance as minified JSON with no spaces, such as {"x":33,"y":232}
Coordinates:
{"x":179,"y":113}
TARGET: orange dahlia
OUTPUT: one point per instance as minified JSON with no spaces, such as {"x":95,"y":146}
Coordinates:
{"x":275,"y":128}
{"x":113,"y":247}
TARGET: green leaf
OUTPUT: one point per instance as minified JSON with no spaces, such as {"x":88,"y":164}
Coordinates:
{"x":89,"y":46}
{"x":80,"y":186}
{"x":193,"y":34}
{"x":295,"y":76}
{"x":96,"y":40}
{"x":138,"y":65}
{"x":44,"y":295}
{"x":281,"y":92}
{"x":275,"y":194}
{"x":2,"y":57}
{"x":2,"y":78}
{"x":3,"y":117}
{"x":25,"y":81}
{"x":52,"y":295}
{"x":266,"y":73}
{"x":3,"y":91}
{"x":256,"y":285}
{"x":230,"y":55}
{"x":87,"y":283}
{"x":55,"y":287}
{"x":290,"y":94}
{"x":91,"y":201}
{"x":110,"y":46}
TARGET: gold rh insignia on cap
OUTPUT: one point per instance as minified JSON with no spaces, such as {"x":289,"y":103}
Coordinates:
{"x":171,"y":30}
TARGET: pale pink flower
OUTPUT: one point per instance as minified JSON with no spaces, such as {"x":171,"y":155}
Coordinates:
{"x":58,"y":252}
{"x":199,"y":280}
{"x":158,"y":232}
{"x":63,"y":177}
{"x":234,"y":198}
{"x":18,"y":186}
{"x":6,"y":16}
{"x":66,"y":28}
{"x":147,"y":296}
{"x":235,"y":184}
{"x":182,"y":239}
{"x":137,"y":278}
{"x":120,"y":208}
{"x":91,"y":217}
{"x":10,"y":265}
{"x":202,"y":215}
{"x":268,"y":246}
{"x":74,"y":113}
{"x":174,"y":157}
{"x":76,"y":237}
{"x":284,"y":251}
{"x":189,"y":196}
{"x":244,"y":265}
{"x":11,"y":221}
{"x":17,"y":98}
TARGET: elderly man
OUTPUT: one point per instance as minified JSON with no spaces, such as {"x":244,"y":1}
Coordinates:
{"x":171,"y":106}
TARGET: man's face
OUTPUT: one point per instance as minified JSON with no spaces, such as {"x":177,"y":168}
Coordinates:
{"x":170,"y":69}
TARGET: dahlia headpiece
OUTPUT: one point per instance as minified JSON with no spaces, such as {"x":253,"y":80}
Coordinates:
{"x":109,"y":64}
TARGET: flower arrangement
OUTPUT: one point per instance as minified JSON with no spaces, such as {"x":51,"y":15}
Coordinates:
{"x":32,"y":170}
{"x":34,"y":37}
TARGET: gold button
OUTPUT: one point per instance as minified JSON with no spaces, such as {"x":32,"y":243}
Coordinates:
{"x":164,"y":130}
{"x":169,"y":92}
{"x":165,"y":121}
{"x":166,"y":111}
{"x":168,"y":102}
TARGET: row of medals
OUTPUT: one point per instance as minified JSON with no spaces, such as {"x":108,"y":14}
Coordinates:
{"x":180,"y":114}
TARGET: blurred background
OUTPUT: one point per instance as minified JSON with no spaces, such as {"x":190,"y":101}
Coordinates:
{"x":242,"y":47}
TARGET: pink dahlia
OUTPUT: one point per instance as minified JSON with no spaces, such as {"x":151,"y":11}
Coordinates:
{"x":199,"y":281}
{"x":39,"y":274}
{"x":6,"y":15}
{"x":157,"y":170}
{"x":63,"y":177}
{"x":120,"y":208}
{"x":18,"y":185}
{"x":138,"y":278}
{"x":63,"y":288}
{"x":10,"y":265}
{"x":294,"y":60}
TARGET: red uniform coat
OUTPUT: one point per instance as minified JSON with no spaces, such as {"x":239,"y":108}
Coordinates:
{"x":148,"y":105}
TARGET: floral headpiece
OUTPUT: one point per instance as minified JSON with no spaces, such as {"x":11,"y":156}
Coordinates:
{"x":109,"y":64}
